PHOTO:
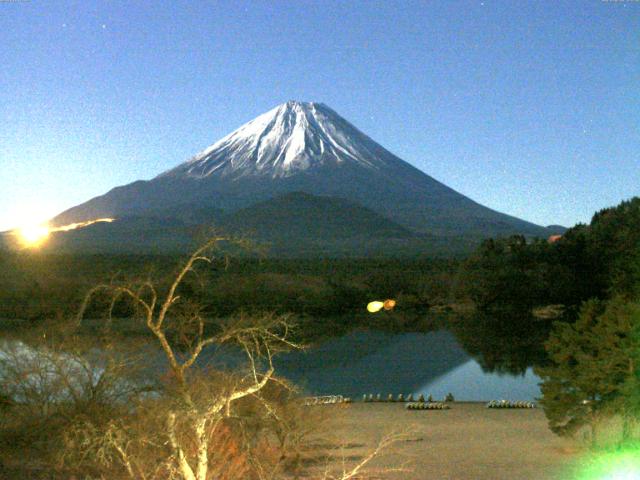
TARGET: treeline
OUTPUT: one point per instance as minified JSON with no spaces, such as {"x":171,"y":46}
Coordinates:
{"x":599,"y":260}
{"x":510,"y":275}
{"x":522,"y":287}
{"x":37,"y":287}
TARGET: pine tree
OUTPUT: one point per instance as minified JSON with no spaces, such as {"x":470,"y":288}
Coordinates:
{"x":567,"y":399}
{"x":619,"y":331}
{"x":593,"y":369}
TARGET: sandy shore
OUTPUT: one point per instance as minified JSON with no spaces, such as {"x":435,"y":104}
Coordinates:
{"x":467,"y":442}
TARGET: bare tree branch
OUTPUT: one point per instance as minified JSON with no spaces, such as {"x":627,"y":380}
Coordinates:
{"x":194,"y":415}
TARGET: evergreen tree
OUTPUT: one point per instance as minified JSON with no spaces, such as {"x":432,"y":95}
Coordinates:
{"x":592,"y":371}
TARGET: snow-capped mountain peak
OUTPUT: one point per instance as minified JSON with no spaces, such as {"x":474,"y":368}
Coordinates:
{"x":305,"y":148}
{"x":292,"y":137}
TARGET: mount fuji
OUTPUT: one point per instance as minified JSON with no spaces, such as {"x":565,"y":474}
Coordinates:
{"x":310,"y":149}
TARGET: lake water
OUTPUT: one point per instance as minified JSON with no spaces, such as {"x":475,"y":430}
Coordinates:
{"x":377,"y":362}
{"x":370,"y":362}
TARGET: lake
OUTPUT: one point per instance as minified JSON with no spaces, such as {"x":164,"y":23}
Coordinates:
{"x":373,"y":362}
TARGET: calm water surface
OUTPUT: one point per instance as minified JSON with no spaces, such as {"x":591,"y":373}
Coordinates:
{"x":370,"y":362}
{"x":377,"y":362}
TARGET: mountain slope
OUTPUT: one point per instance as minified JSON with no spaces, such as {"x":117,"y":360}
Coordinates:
{"x":305,"y":147}
{"x":300,"y":215}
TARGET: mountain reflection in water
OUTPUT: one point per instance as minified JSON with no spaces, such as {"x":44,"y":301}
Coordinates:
{"x":377,"y":362}
{"x":372,"y":362}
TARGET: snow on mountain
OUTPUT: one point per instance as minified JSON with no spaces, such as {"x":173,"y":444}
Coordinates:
{"x":290,"y":138}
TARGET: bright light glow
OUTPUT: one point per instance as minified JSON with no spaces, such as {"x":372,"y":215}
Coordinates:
{"x":73,"y":226}
{"x":623,"y":475}
{"x":33,"y":235}
{"x":377,"y":305}
{"x":624,"y":465}
{"x":374,"y":307}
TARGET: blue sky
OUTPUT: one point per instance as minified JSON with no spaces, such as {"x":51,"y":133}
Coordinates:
{"x":531,"y":108}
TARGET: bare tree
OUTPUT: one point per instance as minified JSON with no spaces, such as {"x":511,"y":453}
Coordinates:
{"x":194,"y":405}
{"x":67,"y":377}
{"x":53,"y":379}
